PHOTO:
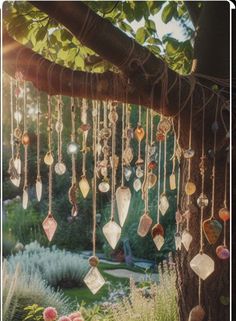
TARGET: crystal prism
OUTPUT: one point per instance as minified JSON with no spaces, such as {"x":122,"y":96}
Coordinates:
{"x":152,"y":179}
{"x":212,"y":229}
{"x":38,"y":188}
{"x":49,"y":226}
{"x":25,"y":198}
{"x":137,"y":184}
{"x":178,"y":241}
{"x":84,"y":186}
{"x":163,"y":204}
{"x":202,"y":265}
{"x":144,"y":224}
{"x":172,"y":182}
{"x":94,"y":280}
{"x":112,"y":232}
{"x":186,"y":239}
{"x":127,"y":173}
{"x":60,"y":168}
{"x":123,"y":197}
{"x":159,"y":241}
{"x":196,"y":314}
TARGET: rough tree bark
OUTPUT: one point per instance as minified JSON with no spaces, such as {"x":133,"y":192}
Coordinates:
{"x":139,"y":70}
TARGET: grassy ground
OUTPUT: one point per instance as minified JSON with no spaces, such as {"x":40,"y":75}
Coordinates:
{"x":77,"y":295}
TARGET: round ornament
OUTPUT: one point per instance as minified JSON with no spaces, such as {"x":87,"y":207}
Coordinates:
{"x":152,"y":165}
{"x":160,"y":136}
{"x":60,"y":168}
{"x":222,"y":252}
{"x":224,"y":214}
{"x":93,"y":261}
{"x":72,"y":148}
{"x":104,"y":187}
{"x":25,"y":139}
{"x":139,"y":172}
{"x":48,"y":159}
{"x":190,"y":188}
{"x":202,"y":200}
{"x":188,"y":153}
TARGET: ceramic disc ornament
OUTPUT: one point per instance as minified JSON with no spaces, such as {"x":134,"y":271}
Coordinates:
{"x":60,"y":168}
{"x":72,"y":148}
{"x":190,"y":188}
{"x":212,"y":229}
{"x":222,"y":252}
{"x":104,"y":187}
{"x":224,"y":214}
{"x":202,"y":200}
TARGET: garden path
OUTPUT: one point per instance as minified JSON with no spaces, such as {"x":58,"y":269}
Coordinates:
{"x":137,"y":277}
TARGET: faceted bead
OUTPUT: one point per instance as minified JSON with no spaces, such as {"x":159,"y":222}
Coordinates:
{"x":188,"y":153}
{"x":104,"y":187}
{"x":123,"y":197}
{"x":159,"y":241}
{"x":144,"y":225}
{"x":137,"y":184}
{"x":112,"y":232}
{"x":48,"y":159}
{"x":84,"y":186}
{"x":186,"y":239}
{"x":202,"y":265}
{"x":222,"y":252}
{"x":224,"y":214}
{"x":38,"y":187}
{"x":152,"y":179}
{"x":212,"y":229}
{"x":197,"y":314}
{"x":172,"y":181}
{"x":178,"y":241}
{"x":49,"y":226}
{"x":190,"y":188}
{"x":139,"y":133}
{"x":202,"y":200}
{"x":94,"y":280}
{"x":60,"y":168}
{"x":163,"y":204}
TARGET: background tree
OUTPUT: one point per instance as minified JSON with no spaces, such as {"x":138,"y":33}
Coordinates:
{"x":88,"y":37}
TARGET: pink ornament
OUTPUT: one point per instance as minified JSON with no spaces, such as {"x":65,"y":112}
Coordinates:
{"x":50,"y":314}
{"x":76,"y":316}
{"x":64,"y":318}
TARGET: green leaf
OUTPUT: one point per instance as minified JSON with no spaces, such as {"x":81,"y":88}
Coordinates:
{"x":79,"y":62}
{"x":126,"y":27}
{"x":150,"y":24}
{"x":154,"y":49}
{"x":154,"y":41}
{"x":141,"y":35}
{"x":66,"y":35}
{"x":40,"y":35}
{"x":155,"y":6}
{"x":172,"y":46}
{"x":168,"y":12}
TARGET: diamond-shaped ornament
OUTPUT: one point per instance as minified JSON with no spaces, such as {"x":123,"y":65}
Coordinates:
{"x":186,"y":239}
{"x":84,"y":186}
{"x":145,"y":223}
{"x":202,"y":265}
{"x":94,"y":280}
{"x":49,"y":226}
{"x":159,"y":241}
{"x":15,"y":171}
{"x":212,"y":229}
{"x":163,"y":204}
{"x":123,"y":197}
{"x":112,"y":232}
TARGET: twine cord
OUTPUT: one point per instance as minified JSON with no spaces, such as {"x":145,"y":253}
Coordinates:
{"x":159,"y":182}
{"x":12,"y":118}
{"x":122,"y":144}
{"x":95,"y":110}
{"x":145,"y":182}
{"x":113,"y":170}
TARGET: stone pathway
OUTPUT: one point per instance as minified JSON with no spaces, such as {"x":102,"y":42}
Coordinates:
{"x":137,"y":277}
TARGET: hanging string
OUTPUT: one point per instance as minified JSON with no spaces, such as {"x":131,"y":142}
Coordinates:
{"x":145,"y":182}
{"x":122,"y":144}
{"x":139,"y":124}
{"x":225,"y":189}
{"x":177,"y":142}
{"x":113,"y":146}
{"x":151,"y":127}
{"x":73,"y":139}
{"x":159,"y":182}
{"x":25,"y":145}
{"x":95,"y":111}
{"x":50,"y":149}
{"x":12,"y":118}
{"x":164,"y":183}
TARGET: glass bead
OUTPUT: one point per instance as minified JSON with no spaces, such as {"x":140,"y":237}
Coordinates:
{"x":178,"y":241}
{"x":139,"y":133}
{"x":188,"y":153}
{"x":39,"y":188}
{"x":60,"y":168}
{"x":112,"y":232}
{"x":123,"y":197}
{"x":137,"y":184}
{"x":222,"y":252}
{"x":190,"y":188}
{"x":94,"y":280}
{"x":202,"y":265}
{"x":49,"y":226}
{"x":145,"y":223}
{"x":84,"y":186}
{"x":163,"y":204}
{"x":105,"y":133}
{"x":18,"y":116}
{"x":159,"y":241}
{"x":93,"y":261}
{"x":127,"y":173}
{"x":164,"y":125}
{"x":25,"y":139}
{"x":197,"y":314}
{"x":104,"y":187}
{"x":72,"y":148}
{"x":186,"y":239}
{"x":212,"y":229}
{"x":172,"y":181}
{"x":139,"y":172}
{"x":25,"y":198}
{"x":224,"y":214}
{"x":48,"y":159}
{"x":202,"y":200}
{"x":152,"y":179}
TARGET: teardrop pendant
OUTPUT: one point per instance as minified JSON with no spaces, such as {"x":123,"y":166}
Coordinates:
{"x":139,"y":133}
{"x":137,"y":185}
{"x":186,"y":239}
{"x":112,"y":232}
{"x":212,"y":229}
{"x":48,"y":159}
{"x":84,"y":186}
{"x":38,"y":188}
{"x":123,"y":197}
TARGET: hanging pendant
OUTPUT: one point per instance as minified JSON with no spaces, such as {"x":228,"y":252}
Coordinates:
{"x":105,"y":133}
{"x":152,"y":165}
{"x":17,"y":133}
{"x":72,"y":193}
{"x":113,"y":116}
{"x":72,"y":148}
{"x":25,"y":139}
{"x":196,"y":314}
{"x":60,"y":168}
{"x":137,"y":184}
{"x":128,"y":155}
{"x":12,"y":171}
{"x":178,"y":217}
{"x":139,"y":172}
{"x":48,"y":159}
{"x":59,"y":126}
{"x":104,"y":187}
{"x":123,"y":197}
{"x":188,"y":153}
{"x":127,"y":173}
{"x":212,"y":229}
{"x":139,"y":133}
{"x":112,"y":232}
{"x":178,"y":241}
{"x":164,"y":125}
{"x":84,"y":186}
{"x":222,"y":252}
{"x":202,"y":200}
{"x":18,"y":116}
{"x":186,"y":239}
{"x":152,"y":179}
{"x":145,"y":223}
{"x":25,"y":198}
{"x":38,"y":188}
{"x":160,"y":137}
{"x":202,"y":265}
{"x":159,"y":241}
{"x":224,"y":214}
{"x":94,"y":280}
{"x":163,"y":204}
{"x":49,"y":226}
{"x":190,"y":188}
{"x":157,"y":230}
{"x":172,"y":182}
